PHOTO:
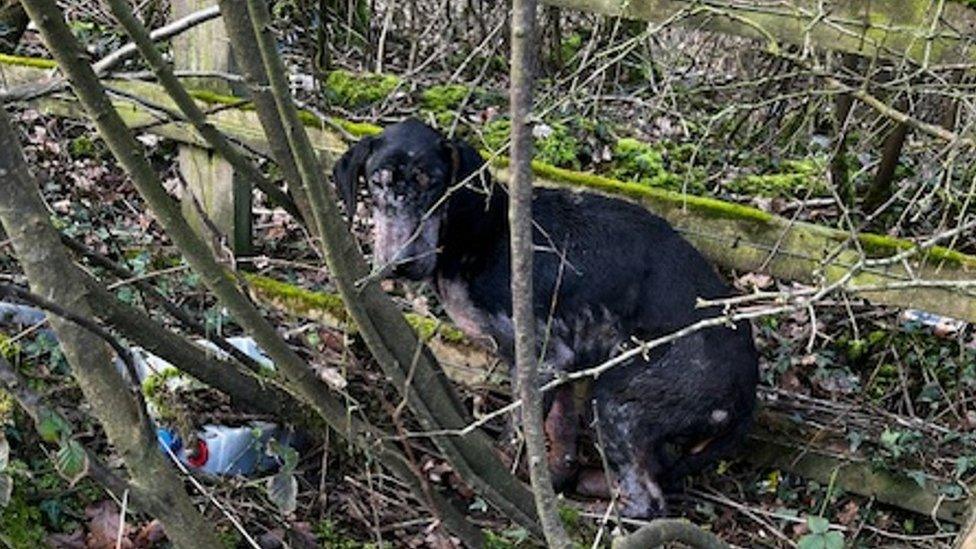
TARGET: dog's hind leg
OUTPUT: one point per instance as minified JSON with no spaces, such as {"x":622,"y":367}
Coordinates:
{"x":562,"y":430}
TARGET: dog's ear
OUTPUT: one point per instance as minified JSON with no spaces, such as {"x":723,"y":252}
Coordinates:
{"x":348,"y":170}
{"x":462,"y":158}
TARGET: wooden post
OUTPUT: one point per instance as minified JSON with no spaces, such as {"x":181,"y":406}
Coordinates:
{"x":224,"y":198}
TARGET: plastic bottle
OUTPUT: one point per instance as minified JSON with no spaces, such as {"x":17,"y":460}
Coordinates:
{"x":221,"y":450}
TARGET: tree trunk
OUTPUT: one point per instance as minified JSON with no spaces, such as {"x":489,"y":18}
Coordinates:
{"x":520,"y":219}
{"x":52,"y":275}
{"x":880,"y":190}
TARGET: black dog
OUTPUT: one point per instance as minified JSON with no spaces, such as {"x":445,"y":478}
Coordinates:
{"x":606,"y":271}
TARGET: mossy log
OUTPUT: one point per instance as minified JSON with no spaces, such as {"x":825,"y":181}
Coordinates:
{"x":776,"y":441}
{"x":893,"y":29}
{"x":732,"y":235}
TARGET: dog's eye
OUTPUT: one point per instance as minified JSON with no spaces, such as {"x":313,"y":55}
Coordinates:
{"x":422,"y":179}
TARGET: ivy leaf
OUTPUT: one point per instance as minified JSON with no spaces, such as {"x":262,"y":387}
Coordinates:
{"x":283,"y":491}
{"x":834,"y":540}
{"x":818,"y":525}
{"x":52,"y":427}
{"x":72,"y":461}
{"x":820,"y":536}
{"x":6,"y":489}
{"x":812,"y":541}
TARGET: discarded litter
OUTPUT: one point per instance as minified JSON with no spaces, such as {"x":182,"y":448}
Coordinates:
{"x":941,"y":326}
{"x":215,"y":449}
{"x":223,"y":450}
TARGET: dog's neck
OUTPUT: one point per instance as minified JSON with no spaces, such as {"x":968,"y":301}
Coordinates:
{"x":475,"y":222}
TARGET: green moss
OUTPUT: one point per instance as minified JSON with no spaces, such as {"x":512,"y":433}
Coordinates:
{"x":426,"y":328}
{"x":648,"y":164}
{"x":558,"y":147}
{"x":708,"y":207}
{"x":300,"y":300}
{"x":159,"y":398}
{"x":876,"y":245}
{"x":443,"y":97}
{"x":356,"y":90}
{"x":155,"y":384}
{"x":792,"y":178}
{"x":21,"y":525}
{"x":82,"y":147}
{"x":35,"y":62}
{"x":570,"y":46}
{"x":358,"y":129}
{"x":495,"y":134}
{"x":8,"y":349}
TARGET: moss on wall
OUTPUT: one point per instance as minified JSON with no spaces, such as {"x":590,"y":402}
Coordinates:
{"x":443,"y":97}
{"x":311,"y":304}
{"x":791,"y":178}
{"x":35,"y":62}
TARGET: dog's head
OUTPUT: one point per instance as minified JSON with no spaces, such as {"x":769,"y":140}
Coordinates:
{"x":408,"y":169}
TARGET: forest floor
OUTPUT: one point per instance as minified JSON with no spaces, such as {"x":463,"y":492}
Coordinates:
{"x":855,"y":379}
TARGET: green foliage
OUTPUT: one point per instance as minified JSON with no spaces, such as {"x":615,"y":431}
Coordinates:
{"x":571,"y":45}
{"x":507,"y":539}
{"x":72,"y":461}
{"x":555,"y":145}
{"x":52,"y":427}
{"x":820,"y":536}
{"x":898,"y":443}
{"x":82,"y":147}
{"x":282,"y":487}
{"x":791,"y":178}
{"x":443,"y":97}
{"x":21,"y":524}
{"x":570,"y":517}
{"x":352,"y":90}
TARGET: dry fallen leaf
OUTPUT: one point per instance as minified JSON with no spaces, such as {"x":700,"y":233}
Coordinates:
{"x":849,"y":513}
{"x":103,"y":527}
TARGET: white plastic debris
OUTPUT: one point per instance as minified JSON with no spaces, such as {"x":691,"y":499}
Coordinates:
{"x":941,"y":326}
